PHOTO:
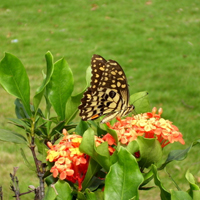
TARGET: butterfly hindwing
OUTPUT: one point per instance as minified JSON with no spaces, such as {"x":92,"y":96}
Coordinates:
{"x":108,"y":94}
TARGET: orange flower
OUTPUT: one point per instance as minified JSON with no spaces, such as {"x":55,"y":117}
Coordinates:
{"x":69,"y":162}
{"x":149,"y":125}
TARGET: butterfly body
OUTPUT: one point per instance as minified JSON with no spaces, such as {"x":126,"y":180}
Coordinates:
{"x":108,"y":94}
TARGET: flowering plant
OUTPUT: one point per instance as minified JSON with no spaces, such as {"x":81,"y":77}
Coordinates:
{"x":88,"y":160}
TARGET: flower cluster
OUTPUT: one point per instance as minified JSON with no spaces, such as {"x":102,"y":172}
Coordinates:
{"x":69,"y":162}
{"x":148,"y":125}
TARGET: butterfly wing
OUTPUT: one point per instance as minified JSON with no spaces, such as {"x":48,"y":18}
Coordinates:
{"x":108,"y":93}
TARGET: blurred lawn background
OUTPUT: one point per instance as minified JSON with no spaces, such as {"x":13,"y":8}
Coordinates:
{"x":156,"y":42}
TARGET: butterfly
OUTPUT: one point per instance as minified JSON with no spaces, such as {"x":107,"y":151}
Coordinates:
{"x":108,"y":93}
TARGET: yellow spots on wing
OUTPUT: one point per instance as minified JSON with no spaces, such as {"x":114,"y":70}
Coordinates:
{"x":95,"y":80}
{"x":97,"y":75}
{"x":88,"y":96}
{"x":113,"y":86}
{"x":95,"y":98}
{"x":120,"y":79}
{"x":94,"y":65}
{"x":113,"y":63}
{"x":94,"y":86}
{"x":106,"y":79}
{"x":113,"y":81}
{"x":123,"y":86}
{"x":120,"y":73}
{"x":99,"y":58}
{"x":95,"y":70}
{"x":101,"y":68}
{"x":118,"y":84}
{"x":104,"y":83}
{"x":94,"y":61}
{"x":113,"y":73}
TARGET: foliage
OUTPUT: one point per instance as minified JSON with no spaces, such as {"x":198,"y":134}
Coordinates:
{"x":119,"y":174}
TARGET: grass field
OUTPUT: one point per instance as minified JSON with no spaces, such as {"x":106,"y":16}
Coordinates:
{"x":156,"y":42}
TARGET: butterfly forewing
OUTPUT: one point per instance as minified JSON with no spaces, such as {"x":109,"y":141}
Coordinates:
{"x":108,"y":94}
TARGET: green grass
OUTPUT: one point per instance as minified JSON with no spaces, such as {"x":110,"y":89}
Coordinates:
{"x":157,"y":45}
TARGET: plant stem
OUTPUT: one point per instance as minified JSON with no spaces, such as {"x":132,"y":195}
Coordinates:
{"x":40,"y":170}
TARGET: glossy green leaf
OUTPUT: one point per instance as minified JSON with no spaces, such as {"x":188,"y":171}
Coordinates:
{"x":100,"y":154}
{"x":132,"y":147}
{"x":93,"y":168}
{"x":164,"y":194}
{"x":180,"y":195}
{"x":75,"y":101}
{"x":42,"y":148}
{"x":147,"y":177}
{"x":64,"y":190}
{"x":81,"y":127}
{"x":124,"y":178}
{"x":50,"y":194}
{"x":72,"y":107}
{"x":60,"y":87}
{"x":177,"y":155}
{"x":20,"y":110}
{"x":40,"y":91}
{"x":61,"y":190}
{"x":20,"y":123}
{"x":14,"y":79}
{"x":10,"y":136}
{"x":141,"y":102}
{"x":99,"y":194}
{"x":150,"y":151}
{"x":193,"y":186}
{"x":90,"y":195}
{"x":58,"y":128}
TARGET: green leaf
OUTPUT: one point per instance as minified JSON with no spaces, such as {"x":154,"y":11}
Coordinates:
{"x":132,"y":147}
{"x":177,"y":155}
{"x":40,"y":91}
{"x":64,"y":190}
{"x":20,"y":110}
{"x":28,"y":164}
{"x":141,"y":102}
{"x":50,"y":194}
{"x":81,"y":127}
{"x":42,"y":148}
{"x":60,"y":87}
{"x":10,"y":136}
{"x":163,"y":192}
{"x":99,"y":194}
{"x":74,"y":101}
{"x":59,"y":191}
{"x":93,"y":168}
{"x":20,"y":123}
{"x":124,"y":178}
{"x":100,"y":154}
{"x":58,"y":128}
{"x":193,"y":186}
{"x":14,"y":79}
{"x":180,"y":195}
{"x":150,"y":151}
{"x":72,"y":107}
{"x":90,"y":195}
{"x":147,"y":177}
